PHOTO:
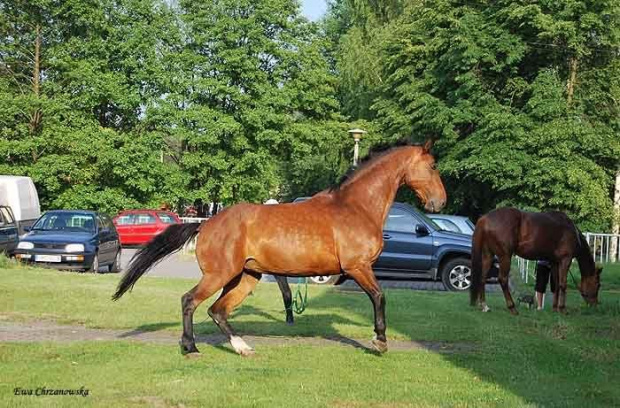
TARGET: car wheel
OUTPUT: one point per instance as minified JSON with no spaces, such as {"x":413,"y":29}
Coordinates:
{"x":456,"y":274}
{"x":94,"y":267}
{"x":116,"y":266}
{"x":324,"y":279}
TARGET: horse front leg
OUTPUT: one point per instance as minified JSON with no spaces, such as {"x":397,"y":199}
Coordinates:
{"x":365,"y":278}
{"x":287,"y":297}
{"x":504,"y":273}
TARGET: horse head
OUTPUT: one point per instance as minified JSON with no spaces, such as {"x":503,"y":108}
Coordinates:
{"x":590,"y":286}
{"x":423,"y":177}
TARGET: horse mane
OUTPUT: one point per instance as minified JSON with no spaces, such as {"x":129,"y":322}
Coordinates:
{"x":377,"y":151}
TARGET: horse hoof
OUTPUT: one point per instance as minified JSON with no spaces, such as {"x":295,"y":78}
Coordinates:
{"x":485,"y":309}
{"x":514,"y":312}
{"x":380,"y":346}
{"x":247,"y":353}
{"x":193,"y":356}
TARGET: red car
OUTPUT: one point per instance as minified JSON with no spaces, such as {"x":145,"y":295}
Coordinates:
{"x":137,"y":227}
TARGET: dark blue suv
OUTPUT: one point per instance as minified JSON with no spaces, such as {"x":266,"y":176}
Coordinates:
{"x":417,"y":248}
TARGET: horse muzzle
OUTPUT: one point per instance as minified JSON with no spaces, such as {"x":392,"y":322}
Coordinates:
{"x":434,"y":205}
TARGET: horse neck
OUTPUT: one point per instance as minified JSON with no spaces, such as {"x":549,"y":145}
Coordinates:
{"x":374,"y":188}
{"x":584,"y":256}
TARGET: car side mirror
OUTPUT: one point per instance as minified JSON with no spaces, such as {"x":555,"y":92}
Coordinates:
{"x":27,"y":229}
{"x":421,"y":229}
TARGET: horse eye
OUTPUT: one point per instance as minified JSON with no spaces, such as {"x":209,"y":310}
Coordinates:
{"x":433,"y":166}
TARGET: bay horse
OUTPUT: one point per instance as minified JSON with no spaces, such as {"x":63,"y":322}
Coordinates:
{"x":550,"y":236}
{"x":337,"y":231}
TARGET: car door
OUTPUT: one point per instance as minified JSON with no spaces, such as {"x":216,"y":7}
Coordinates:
{"x":106,"y":242}
{"x":8,"y":231}
{"x":404,"y":248}
{"x":145,"y":227}
{"x":125,"y":226}
{"x":115,"y":239}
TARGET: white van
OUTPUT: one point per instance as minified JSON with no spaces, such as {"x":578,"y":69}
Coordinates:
{"x":19,"y":193}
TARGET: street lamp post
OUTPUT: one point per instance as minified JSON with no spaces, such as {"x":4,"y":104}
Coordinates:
{"x":357,"y":136}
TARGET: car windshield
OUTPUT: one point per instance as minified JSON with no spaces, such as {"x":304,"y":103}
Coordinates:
{"x":65,"y":221}
{"x":429,"y":221}
{"x":471,"y":224}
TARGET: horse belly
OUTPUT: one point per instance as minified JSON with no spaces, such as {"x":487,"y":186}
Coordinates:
{"x":298,"y":254}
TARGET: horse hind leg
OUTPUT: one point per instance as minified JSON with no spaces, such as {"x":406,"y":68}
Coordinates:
{"x":287,"y":297}
{"x":504,"y":272}
{"x":234,"y":293}
{"x":487,"y":262}
{"x":207,"y":286}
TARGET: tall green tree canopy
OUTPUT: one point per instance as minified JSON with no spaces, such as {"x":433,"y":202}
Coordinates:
{"x":522,"y":96}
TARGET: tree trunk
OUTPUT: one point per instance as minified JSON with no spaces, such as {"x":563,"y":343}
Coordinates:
{"x":36,"y":115}
{"x":572,"y":78}
{"x":615,"y":229}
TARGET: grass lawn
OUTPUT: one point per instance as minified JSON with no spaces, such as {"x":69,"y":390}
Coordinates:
{"x":534,"y":359}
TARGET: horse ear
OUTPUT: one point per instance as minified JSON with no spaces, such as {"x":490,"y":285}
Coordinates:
{"x":428,"y":145}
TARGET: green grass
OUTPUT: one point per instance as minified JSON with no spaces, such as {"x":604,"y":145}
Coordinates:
{"x":534,"y":359}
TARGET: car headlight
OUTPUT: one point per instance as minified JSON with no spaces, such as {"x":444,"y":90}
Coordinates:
{"x":25,"y":245}
{"x":74,"y":248}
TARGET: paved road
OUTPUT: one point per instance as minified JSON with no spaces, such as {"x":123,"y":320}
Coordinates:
{"x":184,"y":266}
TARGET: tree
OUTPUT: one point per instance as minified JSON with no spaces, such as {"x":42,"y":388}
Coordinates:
{"x":518,"y":125}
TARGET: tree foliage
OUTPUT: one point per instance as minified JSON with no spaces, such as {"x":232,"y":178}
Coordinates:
{"x":521,"y":95}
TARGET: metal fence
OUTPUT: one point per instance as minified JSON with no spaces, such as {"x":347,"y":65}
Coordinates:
{"x":604,"y":246}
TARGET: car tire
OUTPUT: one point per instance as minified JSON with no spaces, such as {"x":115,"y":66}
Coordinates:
{"x":456,"y":274}
{"x":325,"y":280}
{"x":94,"y":267}
{"x":116,"y":265}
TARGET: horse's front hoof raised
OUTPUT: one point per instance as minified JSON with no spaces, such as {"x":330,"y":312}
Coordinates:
{"x":380,"y":346}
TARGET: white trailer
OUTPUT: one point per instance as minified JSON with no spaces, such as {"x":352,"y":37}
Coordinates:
{"x":19,"y":193}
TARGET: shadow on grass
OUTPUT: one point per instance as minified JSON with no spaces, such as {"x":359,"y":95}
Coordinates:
{"x":145,"y":328}
{"x":542,"y":357}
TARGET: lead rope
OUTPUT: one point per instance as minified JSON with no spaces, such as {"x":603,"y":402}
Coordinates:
{"x":300,"y":301}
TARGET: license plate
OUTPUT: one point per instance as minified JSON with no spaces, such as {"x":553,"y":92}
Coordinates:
{"x":47,"y":258}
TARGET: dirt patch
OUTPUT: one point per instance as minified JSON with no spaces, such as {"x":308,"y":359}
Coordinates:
{"x":39,"y":331}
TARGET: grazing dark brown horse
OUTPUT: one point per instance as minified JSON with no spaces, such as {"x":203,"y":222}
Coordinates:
{"x":551,"y":236}
{"x":336,"y":231}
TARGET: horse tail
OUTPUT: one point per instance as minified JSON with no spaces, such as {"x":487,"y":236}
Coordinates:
{"x":169,"y":241}
{"x":476,"y":262}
